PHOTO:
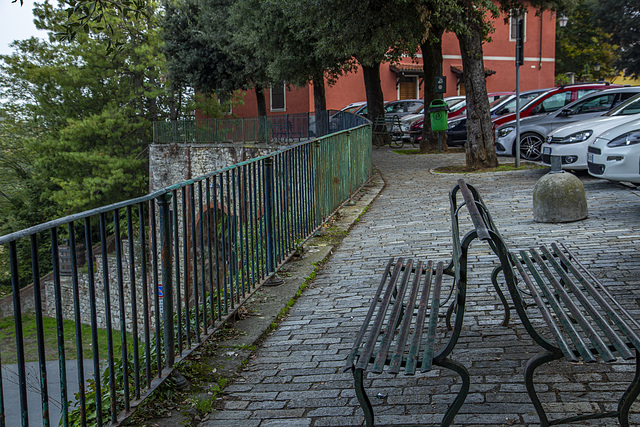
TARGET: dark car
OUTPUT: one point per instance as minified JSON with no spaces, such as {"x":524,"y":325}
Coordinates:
{"x":457,"y":127}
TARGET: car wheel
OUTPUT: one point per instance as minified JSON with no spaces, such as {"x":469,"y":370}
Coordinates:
{"x":530,"y":145}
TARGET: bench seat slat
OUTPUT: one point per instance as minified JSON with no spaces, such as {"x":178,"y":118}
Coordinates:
{"x":363,"y":361}
{"x":412,"y":356}
{"x":427,"y":359}
{"x":577,"y":315}
{"x":562,"y":316}
{"x":397,"y":358}
{"x":594,"y":313}
{"x":612,"y":314}
{"x":396,"y":315}
{"x":568,"y":329}
{"x":363,"y":329}
{"x":546,"y":314}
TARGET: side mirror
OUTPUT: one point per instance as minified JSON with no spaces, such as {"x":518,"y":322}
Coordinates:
{"x":565,"y":112}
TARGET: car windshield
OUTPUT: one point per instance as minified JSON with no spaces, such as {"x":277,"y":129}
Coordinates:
{"x":630,"y":106}
{"x":496,"y":102}
{"x":352,"y":109}
{"x":453,"y":101}
{"x":458,"y":106}
{"x":535,"y":100}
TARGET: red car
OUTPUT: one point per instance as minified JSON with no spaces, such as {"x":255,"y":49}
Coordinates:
{"x":553,"y":100}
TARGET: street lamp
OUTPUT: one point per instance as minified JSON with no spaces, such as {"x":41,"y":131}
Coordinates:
{"x":563,"y":20}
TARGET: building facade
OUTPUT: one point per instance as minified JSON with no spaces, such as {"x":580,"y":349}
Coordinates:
{"x":404,"y":80}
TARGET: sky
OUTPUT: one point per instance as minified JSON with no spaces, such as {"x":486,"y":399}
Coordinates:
{"x":16,"y":23}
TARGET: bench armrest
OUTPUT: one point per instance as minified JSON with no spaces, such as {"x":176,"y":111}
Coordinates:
{"x":474,"y":213}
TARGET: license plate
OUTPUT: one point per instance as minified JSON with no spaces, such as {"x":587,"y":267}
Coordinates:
{"x":590,"y":157}
{"x":546,"y":150}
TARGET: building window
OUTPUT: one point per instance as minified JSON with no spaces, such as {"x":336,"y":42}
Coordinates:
{"x":513,"y":24}
{"x":278,"y":98}
{"x":225,"y":104}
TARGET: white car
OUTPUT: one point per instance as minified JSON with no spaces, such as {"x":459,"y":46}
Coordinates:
{"x":615,"y":154}
{"x":534,"y":129}
{"x":571,"y":141}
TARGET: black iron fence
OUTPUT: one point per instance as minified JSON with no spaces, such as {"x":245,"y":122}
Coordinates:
{"x":135,"y":286}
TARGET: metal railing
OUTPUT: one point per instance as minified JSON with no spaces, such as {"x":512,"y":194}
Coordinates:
{"x":163,"y":271}
{"x":284,"y":128}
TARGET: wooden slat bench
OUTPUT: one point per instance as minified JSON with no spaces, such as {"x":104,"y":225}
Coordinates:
{"x":564,"y":308}
{"x":399,"y":331}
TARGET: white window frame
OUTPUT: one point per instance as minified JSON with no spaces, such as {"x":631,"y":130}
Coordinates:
{"x":284,"y":98}
{"x":512,"y":25}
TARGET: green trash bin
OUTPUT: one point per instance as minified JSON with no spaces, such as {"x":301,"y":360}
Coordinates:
{"x":438,"y":110}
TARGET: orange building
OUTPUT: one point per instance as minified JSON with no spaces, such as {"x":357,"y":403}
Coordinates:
{"x":404,"y":80}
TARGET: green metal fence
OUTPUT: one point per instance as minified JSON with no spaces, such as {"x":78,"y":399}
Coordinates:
{"x":161,"y":273}
{"x":284,"y":128}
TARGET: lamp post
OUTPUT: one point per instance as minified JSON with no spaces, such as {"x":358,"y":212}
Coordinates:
{"x":519,"y":63}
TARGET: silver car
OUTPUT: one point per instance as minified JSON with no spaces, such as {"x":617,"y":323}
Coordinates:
{"x":534,"y":129}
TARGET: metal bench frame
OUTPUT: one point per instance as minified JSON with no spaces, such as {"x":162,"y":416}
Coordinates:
{"x":582,"y":320}
{"x":388,"y":126}
{"x":395,"y":332}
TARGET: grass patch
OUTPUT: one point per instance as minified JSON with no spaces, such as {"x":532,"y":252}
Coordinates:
{"x":8,"y":339}
{"x":505,"y":167}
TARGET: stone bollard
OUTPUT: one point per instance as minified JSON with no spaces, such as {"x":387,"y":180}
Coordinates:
{"x":559,"y":197}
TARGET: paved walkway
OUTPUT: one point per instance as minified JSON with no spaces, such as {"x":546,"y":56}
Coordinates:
{"x":296,"y":377}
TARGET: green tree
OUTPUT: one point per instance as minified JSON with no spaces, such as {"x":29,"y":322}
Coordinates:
{"x":581,"y":44}
{"x":93,"y":112}
{"x":621,"y":19}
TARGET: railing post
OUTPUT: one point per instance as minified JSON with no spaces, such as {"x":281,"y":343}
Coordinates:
{"x":166,"y":262}
{"x":268,"y":207}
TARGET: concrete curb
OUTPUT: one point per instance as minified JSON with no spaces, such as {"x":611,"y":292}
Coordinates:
{"x":268,"y":306}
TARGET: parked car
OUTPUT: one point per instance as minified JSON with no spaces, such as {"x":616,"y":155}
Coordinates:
{"x":552,"y":100}
{"x":408,"y":120}
{"x":353,"y":107}
{"x":534,"y":129}
{"x":402,"y":107}
{"x":457,"y":127}
{"x":571,"y":141}
{"x":615,"y":154}
{"x":497,"y":95}
{"x":453,"y":100}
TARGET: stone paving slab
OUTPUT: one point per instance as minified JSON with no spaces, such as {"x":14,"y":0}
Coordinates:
{"x":296,"y":377}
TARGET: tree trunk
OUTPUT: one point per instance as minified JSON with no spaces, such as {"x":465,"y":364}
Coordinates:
{"x":373,"y":89}
{"x":481,"y":151}
{"x":320,"y":105}
{"x":432,"y":66}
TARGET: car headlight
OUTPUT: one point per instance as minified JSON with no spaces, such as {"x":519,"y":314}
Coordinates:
{"x":574,"y":137}
{"x":502,"y":132}
{"x":629,"y":138}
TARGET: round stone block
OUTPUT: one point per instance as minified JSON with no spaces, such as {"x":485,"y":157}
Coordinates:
{"x":559,"y":197}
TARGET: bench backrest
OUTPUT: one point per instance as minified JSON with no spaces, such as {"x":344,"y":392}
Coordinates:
{"x":579,"y":310}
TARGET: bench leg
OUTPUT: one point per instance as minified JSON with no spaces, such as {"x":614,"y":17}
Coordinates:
{"x":361,"y":394}
{"x":629,"y":395}
{"x":505,"y":303}
{"x":462,"y":394}
{"x":533,"y":363}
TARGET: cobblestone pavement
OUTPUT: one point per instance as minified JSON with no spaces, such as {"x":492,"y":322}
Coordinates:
{"x":296,"y":377}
